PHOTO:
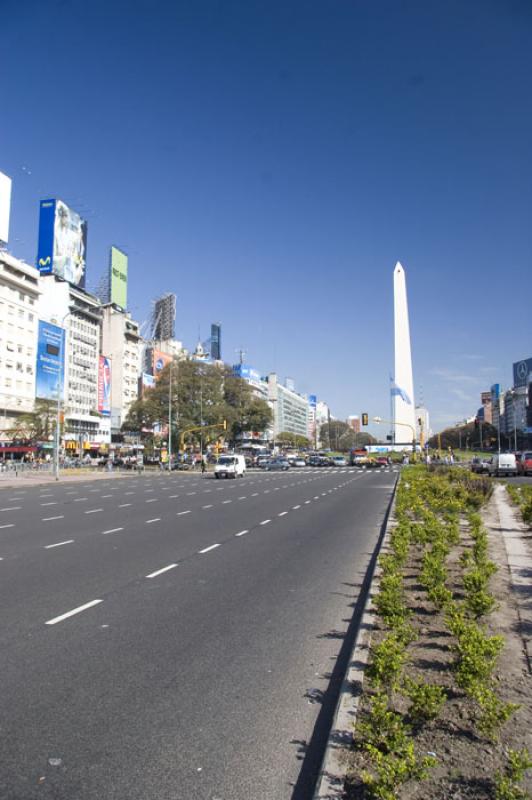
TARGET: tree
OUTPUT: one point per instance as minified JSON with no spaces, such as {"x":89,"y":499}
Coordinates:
{"x":292,"y":440}
{"x":202,"y":395}
{"x":338,"y":435}
{"x":39,"y":424}
{"x":465,"y":437}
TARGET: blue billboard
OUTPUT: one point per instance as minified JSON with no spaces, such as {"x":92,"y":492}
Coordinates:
{"x":522,"y":372}
{"x":62,"y":248}
{"x":45,"y":251}
{"x":50,"y":372}
{"x":312,"y":400}
{"x":247,"y":373}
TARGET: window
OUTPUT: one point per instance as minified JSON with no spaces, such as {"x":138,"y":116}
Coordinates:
{"x":30,"y":317}
{"x":19,"y":348}
{"x":11,"y":347}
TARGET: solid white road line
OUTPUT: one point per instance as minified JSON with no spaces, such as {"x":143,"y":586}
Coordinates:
{"x":11,"y":525}
{"x":180,"y":513}
{"x":93,"y":510}
{"x":241,"y":533}
{"x":111,"y":530}
{"x":160,"y":571}
{"x":155,"y":519}
{"x":57,"y":544}
{"x":265,"y":521}
{"x":77,"y":610}
{"x":49,"y":519}
{"x":206,"y":549}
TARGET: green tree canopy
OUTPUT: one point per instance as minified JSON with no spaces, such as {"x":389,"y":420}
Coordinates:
{"x":338,"y":435}
{"x":292,"y":440}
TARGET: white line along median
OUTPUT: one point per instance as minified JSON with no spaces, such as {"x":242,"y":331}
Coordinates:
{"x":77,"y":610}
{"x":206,"y":549}
{"x":160,"y":571}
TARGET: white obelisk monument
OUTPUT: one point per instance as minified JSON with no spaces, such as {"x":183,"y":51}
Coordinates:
{"x":403,"y":383}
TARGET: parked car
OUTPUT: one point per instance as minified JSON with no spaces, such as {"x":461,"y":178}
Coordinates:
{"x":338,"y":461}
{"x":277,"y":463}
{"x":502,"y":464}
{"x":262,"y":461}
{"x":230,"y":466}
{"x":296,"y":461}
{"x":524,"y":463}
{"x":314,"y":461}
{"x":479,"y":465}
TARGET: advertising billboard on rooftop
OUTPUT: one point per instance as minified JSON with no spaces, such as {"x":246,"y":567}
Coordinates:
{"x":5,"y":207}
{"x":522,"y":372}
{"x":50,"y":369}
{"x":62,"y":248}
{"x":118,"y":277}
{"x":160,"y":360}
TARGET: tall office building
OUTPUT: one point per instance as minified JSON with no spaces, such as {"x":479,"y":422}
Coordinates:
{"x":216,"y":341}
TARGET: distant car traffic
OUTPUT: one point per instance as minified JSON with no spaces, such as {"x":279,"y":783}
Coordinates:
{"x":276,"y":463}
{"x":524,"y":463}
{"x":296,"y":461}
{"x":479,"y":465}
{"x":338,"y":461}
{"x":502,"y":464}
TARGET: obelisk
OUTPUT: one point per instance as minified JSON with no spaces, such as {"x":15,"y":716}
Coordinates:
{"x":403,"y":384}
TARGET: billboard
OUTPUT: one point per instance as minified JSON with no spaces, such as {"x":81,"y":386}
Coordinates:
{"x":148,"y":381}
{"x":247,"y":373}
{"x":50,"y":370}
{"x":104,"y":386}
{"x":522,"y":372}
{"x":5,"y":207}
{"x":160,"y":360}
{"x":118,"y":277}
{"x":62,"y":248}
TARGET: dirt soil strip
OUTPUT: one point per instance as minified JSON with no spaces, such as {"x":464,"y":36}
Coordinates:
{"x":330,"y":784}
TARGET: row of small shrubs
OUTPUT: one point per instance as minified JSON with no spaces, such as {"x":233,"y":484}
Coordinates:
{"x":429,"y":506}
{"x":522,"y":496}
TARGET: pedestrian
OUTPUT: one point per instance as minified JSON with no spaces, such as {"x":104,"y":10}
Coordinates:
{"x":203,"y":465}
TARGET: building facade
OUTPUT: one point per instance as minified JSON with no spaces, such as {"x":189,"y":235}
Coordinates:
{"x":290,"y":410}
{"x":121,"y":343}
{"x":19,"y":302}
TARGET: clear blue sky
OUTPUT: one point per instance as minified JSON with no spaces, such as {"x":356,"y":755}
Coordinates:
{"x":270,"y":161}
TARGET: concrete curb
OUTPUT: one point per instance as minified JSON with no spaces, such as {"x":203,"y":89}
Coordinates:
{"x":330,"y":783}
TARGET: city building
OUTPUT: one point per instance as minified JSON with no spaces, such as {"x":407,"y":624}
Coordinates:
{"x":79,"y":314}
{"x":121,"y":343}
{"x":485,"y":399}
{"x":216,"y":341}
{"x":354,"y":422}
{"x":323,"y":417}
{"x":290,"y":410}
{"x":19,"y":301}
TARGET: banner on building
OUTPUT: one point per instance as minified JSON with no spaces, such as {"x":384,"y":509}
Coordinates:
{"x":118,"y":277}
{"x":50,"y":372}
{"x":62,"y":249}
{"x":5,"y":207}
{"x":148,"y":381}
{"x":160,"y":361}
{"x":104,"y":386}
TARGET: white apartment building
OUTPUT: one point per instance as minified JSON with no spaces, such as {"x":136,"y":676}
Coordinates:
{"x":19,"y":298}
{"x":122,"y":343}
{"x":323,"y":415}
{"x":79,"y":313}
{"x":290,"y":410}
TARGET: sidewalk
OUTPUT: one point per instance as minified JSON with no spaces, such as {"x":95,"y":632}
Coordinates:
{"x":504,"y":520}
{"x":29,"y":478}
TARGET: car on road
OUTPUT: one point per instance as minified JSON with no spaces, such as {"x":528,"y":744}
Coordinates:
{"x":524,"y":463}
{"x":230,"y":466}
{"x":338,"y":461}
{"x":277,"y":463}
{"x":297,"y":462}
{"x":262,"y":461}
{"x":479,"y":465}
{"x":502,"y":464}
{"x":383,"y":461}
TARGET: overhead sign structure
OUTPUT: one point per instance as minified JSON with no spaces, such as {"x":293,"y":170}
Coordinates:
{"x":62,"y":247}
{"x":5,"y":207}
{"x":50,"y":371}
{"x":118,"y":277}
{"x":104,"y":386}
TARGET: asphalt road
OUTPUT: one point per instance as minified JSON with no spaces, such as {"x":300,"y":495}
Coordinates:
{"x":174,"y":637}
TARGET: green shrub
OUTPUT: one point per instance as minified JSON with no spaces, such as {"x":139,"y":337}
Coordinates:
{"x":476,"y":653}
{"x":391,"y":770}
{"x":494,"y":713}
{"x":507,"y":782}
{"x":387,"y":660}
{"x":427,"y":700}
{"x":382,"y":728}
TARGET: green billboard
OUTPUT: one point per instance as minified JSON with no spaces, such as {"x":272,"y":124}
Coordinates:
{"x":118,"y":270}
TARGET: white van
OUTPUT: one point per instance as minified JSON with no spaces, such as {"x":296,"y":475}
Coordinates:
{"x":502,"y":464}
{"x":230,"y":466}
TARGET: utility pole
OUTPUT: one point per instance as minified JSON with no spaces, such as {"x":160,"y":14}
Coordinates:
{"x":170,"y":420}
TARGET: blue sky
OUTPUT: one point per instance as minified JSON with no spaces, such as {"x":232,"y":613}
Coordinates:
{"x":270,"y":161}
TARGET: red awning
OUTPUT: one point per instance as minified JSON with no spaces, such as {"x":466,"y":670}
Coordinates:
{"x":17,"y":448}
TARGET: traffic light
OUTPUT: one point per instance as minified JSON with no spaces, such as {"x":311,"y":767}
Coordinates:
{"x":364,"y":419}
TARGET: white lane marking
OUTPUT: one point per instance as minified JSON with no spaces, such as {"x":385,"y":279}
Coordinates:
{"x":209,"y":506}
{"x":173,"y":495}
{"x":224,"y":502}
{"x":206,"y":549}
{"x":151,"y":500}
{"x":282,"y":514}
{"x":207,"y":491}
{"x":307,"y":502}
{"x":294,"y":508}
{"x":94,"y":490}
{"x":180,"y":513}
{"x":49,"y":519}
{"x":265,"y":521}
{"x":125,"y":493}
{"x":11,"y":508}
{"x":266,"y":491}
{"x":241,"y":533}
{"x":276,"y":488}
{"x":255,"y":494}
{"x":50,"y":503}
{"x":242,"y":498}
{"x":316,"y":497}
{"x":191,"y":493}
{"x":79,"y":499}
{"x":124,"y":505}
{"x":105,"y":495}
{"x":77,"y":610}
{"x":11,"y":525}
{"x":47,"y":494}
{"x":93,"y":510}
{"x":155,"y":519}
{"x":57,"y":544}
{"x":111,"y":530}
{"x":160,"y":571}
{"x":149,"y":490}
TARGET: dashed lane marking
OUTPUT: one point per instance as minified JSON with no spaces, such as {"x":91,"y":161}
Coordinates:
{"x":77,"y":610}
{"x":160,"y":571}
{"x":58,"y":544}
{"x":155,"y":519}
{"x":241,"y":533}
{"x":10,"y":525}
{"x":181,"y":513}
{"x":124,"y":505}
{"x":265,"y":521}
{"x":111,"y":530}
{"x":49,"y":519}
{"x":207,"y":549}
{"x":93,"y":510}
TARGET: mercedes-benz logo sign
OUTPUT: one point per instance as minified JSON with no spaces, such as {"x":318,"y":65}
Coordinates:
{"x":522,"y":370}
